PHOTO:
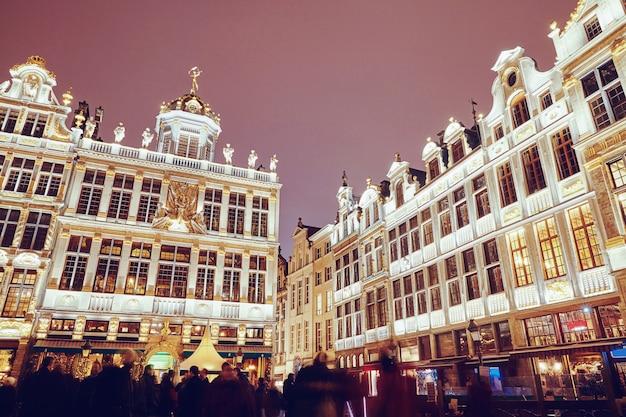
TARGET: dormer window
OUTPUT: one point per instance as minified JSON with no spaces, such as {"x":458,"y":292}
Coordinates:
{"x":433,"y":169}
{"x":546,"y":100}
{"x":519,"y":110}
{"x":498,"y":131}
{"x":592,"y":28}
{"x":399,"y":194}
{"x":458,"y":152}
{"x":606,"y":99}
{"x":187,"y":146}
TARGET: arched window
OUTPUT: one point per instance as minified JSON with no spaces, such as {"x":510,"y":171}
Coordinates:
{"x":399,"y":194}
{"x":519,"y":110}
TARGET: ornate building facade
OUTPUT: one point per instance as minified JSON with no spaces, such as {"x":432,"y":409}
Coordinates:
{"x":129,"y":247}
{"x":515,"y":229}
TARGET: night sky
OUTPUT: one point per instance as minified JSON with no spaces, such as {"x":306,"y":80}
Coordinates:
{"x":327,"y":85}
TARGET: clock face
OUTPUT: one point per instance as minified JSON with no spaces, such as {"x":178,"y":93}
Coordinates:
{"x":192,"y":106}
{"x":512,"y":79}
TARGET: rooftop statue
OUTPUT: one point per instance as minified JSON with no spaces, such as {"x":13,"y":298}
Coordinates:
{"x":273,"y":162}
{"x":119,"y":132}
{"x":147,"y":138}
{"x":90,"y":127}
{"x":252,"y":159}
{"x":228,"y":154}
{"x":194,"y":73}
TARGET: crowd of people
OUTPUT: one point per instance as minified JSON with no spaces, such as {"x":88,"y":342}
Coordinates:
{"x":111,"y":391}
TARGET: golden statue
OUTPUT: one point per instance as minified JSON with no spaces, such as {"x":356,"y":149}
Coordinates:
{"x":194,"y":73}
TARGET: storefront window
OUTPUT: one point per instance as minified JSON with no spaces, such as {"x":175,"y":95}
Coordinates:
{"x":611,"y":321}
{"x":445,"y":345}
{"x":461,"y":339}
{"x":96,"y":326}
{"x":504,"y":336}
{"x":128,"y":327}
{"x":60,"y":325}
{"x":577,"y":326}
{"x":488,"y":339}
{"x":424,"y":347}
{"x":540,"y":331}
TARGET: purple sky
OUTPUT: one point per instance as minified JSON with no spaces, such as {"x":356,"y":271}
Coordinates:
{"x":327,"y":85}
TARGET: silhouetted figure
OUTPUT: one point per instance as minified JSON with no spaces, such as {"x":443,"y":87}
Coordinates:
{"x":190,"y":396}
{"x":259,"y":397}
{"x":8,"y":397}
{"x":273,"y":402}
{"x":168,"y":399}
{"x":393,"y":396}
{"x":288,"y":392}
{"x":229,"y":396}
{"x":479,"y":400}
{"x":113,"y":392}
{"x":85,"y":391}
{"x":316,"y":392}
{"x":43,"y":393}
{"x":145,"y":397}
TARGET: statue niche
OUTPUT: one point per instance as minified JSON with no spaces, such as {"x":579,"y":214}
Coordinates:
{"x":181,"y":212}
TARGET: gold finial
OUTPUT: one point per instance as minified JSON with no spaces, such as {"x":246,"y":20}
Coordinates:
{"x":344,"y":177}
{"x":80,"y":118}
{"x":37,"y":60}
{"x":68,"y":97}
{"x":194,"y":73}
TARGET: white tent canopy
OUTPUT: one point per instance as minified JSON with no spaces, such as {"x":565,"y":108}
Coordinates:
{"x":205,"y":356}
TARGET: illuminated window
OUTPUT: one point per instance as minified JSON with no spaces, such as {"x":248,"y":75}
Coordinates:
{"x":454,"y":290}
{"x":91,"y":192}
{"x":471,"y":276}
{"x":260,"y":207}
{"x":35,"y":124}
{"x":205,"y":282}
{"x":492,"y":263}
{"x":433,"y":169}
{"x":585,"y":237}
{"x":19,"y":175}
{"x":75,"y":267}
{"x":381,"y":306}
{"x":236,"y":212}
{"x":399,"y":194}
{"x":435,"y":299}
{"x":149,"y":199}
{"x":564,"y":153}
{"x":533,"y":172}
{"x":329,"y":334}
{"x":460,"y":208}
{"x":50,"y":176}
{"x":540,"y":331}
{"x":427,"y":227}
{"x":444,"y":217}
{"x":611,"y":321}
{"x":521,"y":258}
{"x":232,"y":274}
{"x":121,"y":196}
{"x":606,"y":100}
{"x":212,"y":206}
{"x":577,"y":326}
{"x":19,"y":293}
{"x":108,"y":266}
{"x":550,"y":245}
{"x":415,"y":233}
{"x":138,"y":266}
{"x":480,"y":196}
{"x":618,"y":172}
{"x":507,"y":185}
{"x":173,"y":272}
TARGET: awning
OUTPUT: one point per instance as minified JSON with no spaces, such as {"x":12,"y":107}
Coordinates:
{"x":592,"y":347}
{"x":489,"y":360}
{"x":229,"y":351}
{"x":97,"y":346}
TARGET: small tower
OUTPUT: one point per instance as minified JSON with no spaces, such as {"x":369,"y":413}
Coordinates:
{"x":187,"y":126}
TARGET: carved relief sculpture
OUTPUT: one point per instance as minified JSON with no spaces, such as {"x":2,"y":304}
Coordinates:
{"x":180,"y":212}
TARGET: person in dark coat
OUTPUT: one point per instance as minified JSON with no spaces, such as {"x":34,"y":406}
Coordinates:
{"x":190,"y":396}
{"x":393,"y":396}
{"x":479,"y":400}
{"x":44,"y":393}
{"x":8,"y":397}
{"x":288,"y":392}
{"x":168,"y":398}
{"x":316,"y":392}
{"x":259,"y":397}
{"x":146,"y":396}
{"x":85,"y":391}
{"x":229,"y":397}
{"x":113,"y":391}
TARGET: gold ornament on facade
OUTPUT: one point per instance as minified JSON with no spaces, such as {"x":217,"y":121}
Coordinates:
{"x":68,"y":97}
{"x":569,"y":81}
{"x":575,"y":14}
{"x":180,"y":210}
{"x":618,"y":47}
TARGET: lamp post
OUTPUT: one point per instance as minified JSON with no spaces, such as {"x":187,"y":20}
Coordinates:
{"x":474,"y":331}
{"x":86,"y":348}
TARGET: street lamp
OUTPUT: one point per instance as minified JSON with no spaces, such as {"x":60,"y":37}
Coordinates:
{"x":476,"y":339}
{"x":239,"y":357}
{"x":86,"y":348}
